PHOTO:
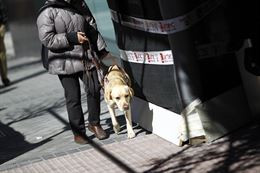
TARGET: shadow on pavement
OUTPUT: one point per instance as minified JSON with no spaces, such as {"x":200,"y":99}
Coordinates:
{"x":2,"y":108}
{"x":239,"y":151}
{"x":29,"y":76}
{"x":20,"y":80}
{"x":96,"y":146}
{"x":122,"y":122}
{"x":13,"y":143}
{"x":6,"y":90}
{"x":37,"y":110}
{"x":25,"y":65}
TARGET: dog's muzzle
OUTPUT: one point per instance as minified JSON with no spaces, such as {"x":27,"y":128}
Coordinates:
{"x":126,"y":107}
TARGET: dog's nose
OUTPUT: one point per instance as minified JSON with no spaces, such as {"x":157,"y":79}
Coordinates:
{"x":126,"y":107}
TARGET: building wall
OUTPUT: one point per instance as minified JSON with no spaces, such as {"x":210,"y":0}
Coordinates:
{"x":22,"y":23}
{"x":24,"y":10}
{"x":22,"y":26}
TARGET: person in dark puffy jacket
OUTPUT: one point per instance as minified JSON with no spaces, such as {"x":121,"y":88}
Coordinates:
{"x":3,"y":62}
{"x":64,"y":27}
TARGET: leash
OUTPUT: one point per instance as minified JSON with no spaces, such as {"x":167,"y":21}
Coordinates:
{"x":102,"y":78}
{"x":91,"y":55}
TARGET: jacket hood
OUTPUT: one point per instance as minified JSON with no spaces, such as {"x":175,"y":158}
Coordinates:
{"x":67,"y":1}
{"x":54,"y":3}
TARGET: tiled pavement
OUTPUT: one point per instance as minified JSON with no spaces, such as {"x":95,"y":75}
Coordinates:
{"x":33,"y":118}
{"x":35,"y":137}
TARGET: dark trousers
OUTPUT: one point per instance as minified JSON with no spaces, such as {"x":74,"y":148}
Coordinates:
{"x":72,"y":91}
{"x":3,"y":62}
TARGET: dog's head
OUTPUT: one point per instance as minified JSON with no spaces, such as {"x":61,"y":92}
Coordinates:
{"x":121,"y":95}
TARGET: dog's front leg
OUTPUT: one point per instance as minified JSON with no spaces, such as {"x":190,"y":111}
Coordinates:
{"x":129,"y":126}
{"x":116,"y":126}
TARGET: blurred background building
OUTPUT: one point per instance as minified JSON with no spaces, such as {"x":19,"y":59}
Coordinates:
{"x":22,"y":24}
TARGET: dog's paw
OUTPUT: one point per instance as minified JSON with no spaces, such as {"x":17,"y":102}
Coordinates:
{"x":116,"y":128}
{"x":130,"y":134}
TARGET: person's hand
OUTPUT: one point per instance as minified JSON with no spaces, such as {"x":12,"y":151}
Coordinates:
{"x":82,"y":38}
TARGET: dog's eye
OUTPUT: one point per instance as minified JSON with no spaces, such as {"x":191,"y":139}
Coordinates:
{"x":126,"y":95}
{"x":117,"y":98}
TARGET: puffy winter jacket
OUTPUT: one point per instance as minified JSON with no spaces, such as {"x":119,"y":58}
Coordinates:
{"x":54,"y":24}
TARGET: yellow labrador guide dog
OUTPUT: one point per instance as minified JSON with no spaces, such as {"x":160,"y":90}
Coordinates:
{"x":118,"y":94}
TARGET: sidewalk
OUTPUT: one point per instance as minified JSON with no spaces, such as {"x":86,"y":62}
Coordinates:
{"x":33,"y":117}
{"x":35,"y":136}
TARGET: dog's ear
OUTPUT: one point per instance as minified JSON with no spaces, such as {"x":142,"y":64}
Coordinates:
{"x":116,"y":67}
{"x":108,"y":95}
{"x":131,"y":91}
{"x":128,"y":80}
{"x":110,"y":68}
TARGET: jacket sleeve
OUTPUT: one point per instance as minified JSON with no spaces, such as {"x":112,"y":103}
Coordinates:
{"x":47,"y":34}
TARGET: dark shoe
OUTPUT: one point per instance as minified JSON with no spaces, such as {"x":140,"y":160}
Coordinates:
{"x":81,"y":139}
{"x":6,"y":82}
{"x":97,"y":130}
